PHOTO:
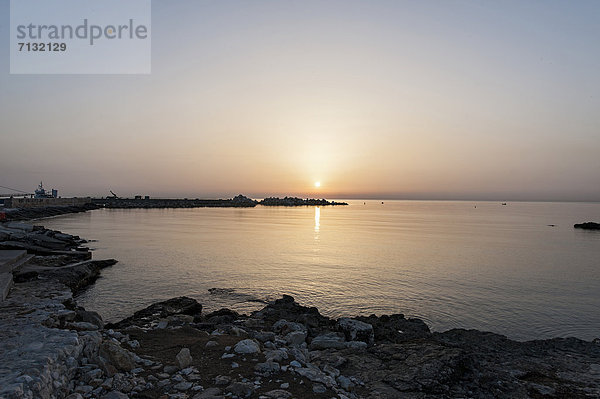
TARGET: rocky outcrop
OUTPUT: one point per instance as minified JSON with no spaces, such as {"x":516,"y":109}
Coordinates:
{"x":587,"y":226}
{"x":153,"y":314}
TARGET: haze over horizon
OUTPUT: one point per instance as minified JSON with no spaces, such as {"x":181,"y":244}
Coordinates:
{"x":373,"y":99}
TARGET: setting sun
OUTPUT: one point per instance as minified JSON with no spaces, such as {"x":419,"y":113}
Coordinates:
{"x":317,"y":184}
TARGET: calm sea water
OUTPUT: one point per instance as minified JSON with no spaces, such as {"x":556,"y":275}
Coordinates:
{"x":490,"y":267}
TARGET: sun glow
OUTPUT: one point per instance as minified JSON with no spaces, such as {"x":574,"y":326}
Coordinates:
{"x":317,"y":184}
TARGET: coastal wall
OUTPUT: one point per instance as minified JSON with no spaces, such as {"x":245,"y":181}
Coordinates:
{"x":43,"y":202}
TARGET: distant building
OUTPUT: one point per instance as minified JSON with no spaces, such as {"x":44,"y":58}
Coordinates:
{"x":40,"y":192}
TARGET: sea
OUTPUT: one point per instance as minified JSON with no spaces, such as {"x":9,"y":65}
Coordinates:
{"x":519,"y":269}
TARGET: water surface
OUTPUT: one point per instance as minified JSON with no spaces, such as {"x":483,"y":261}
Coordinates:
{"x":453,"y":264}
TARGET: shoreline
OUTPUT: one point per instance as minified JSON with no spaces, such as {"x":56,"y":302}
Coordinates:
{"x":284,"y":350}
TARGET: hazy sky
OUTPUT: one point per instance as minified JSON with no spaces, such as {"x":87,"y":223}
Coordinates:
{"x":404,"y":99}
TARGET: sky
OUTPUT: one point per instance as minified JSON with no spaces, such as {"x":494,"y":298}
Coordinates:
{"x":373,"y":99}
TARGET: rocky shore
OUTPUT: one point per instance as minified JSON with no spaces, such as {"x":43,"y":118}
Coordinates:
{"x":52,"y":348}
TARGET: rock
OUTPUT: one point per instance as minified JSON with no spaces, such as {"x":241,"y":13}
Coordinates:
{"x":267,"y":368}
{"x":328,"y":341}
{"x":296,"y":337}
{"x":277,"y":355}
{"x":238,"y":332}
{"x":222,"y":380}
{"x":395,"y":328}
{"x":82,"y":326}
{"x":295,"y":363}
{"x":222,"y":316}
{"x":183,"y":358}
{"x":89,"y":317}
{"x":287,"y":309}
{"x":356,"y":345}
{"x":211,"y":344}
{"x":241,"y":389}
{"x":161,"y":310}
{"x":120,"y":358}
{"x":285,"y":385}
{"x":183,"y":386}
{"x":587,"y":226}
{"x":264,"y":336}
{"x":345,"y":383}
{"x":247,"y":346}
{"x":115,"y":395}
{"x":208,"y":393}
{"x":315,"y":375}
{"x":355,"y":330}
{"x":319,"y":388}
{"x":170,"y":369}
{"x":84,"y":389}
{"x":278,"y":394}
{"x":284,"y":327}
{"x":74,"y":396}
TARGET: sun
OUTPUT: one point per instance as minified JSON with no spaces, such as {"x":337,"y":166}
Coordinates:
{"x":317,"y":184}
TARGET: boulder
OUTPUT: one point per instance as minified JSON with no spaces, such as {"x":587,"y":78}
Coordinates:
{"x":247,"y":346}
{"x":328,"y":341}
{"x":183,"y":358}
{"x":355,"y":330}
{"x":120,"y":358}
